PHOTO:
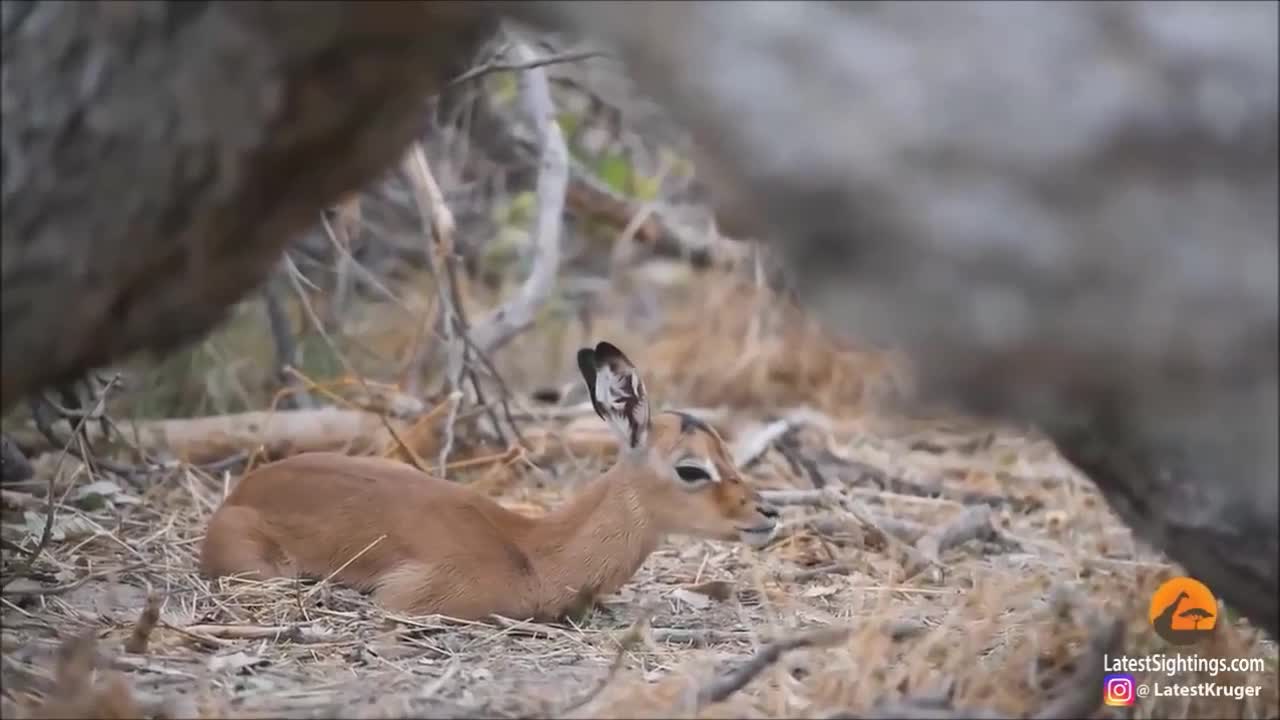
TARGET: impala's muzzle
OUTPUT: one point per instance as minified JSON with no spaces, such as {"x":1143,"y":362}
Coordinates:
{"x":764,"y":530}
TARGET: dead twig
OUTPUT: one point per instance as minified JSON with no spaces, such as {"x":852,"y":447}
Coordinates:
{"x":439,"y":224}
{"x":697,"y":637}
{"x":809,"y":498}
{"x":442,"y":463}
{"x":464,"y":332}
{"x":15,"y":499}
{"x":518,"y":313}
{"x":292,"y":633}
{"x":226,"y":463}
{"x":141,"y":636}
{"x":789,"y":446}
{"x":347,"y":261}
{"x":347,"y":216}
{"x":1078,"y":696}
{"x":751,"y":446}
{"x":629,"y":639}
{"x":296,"y":277}
{"x":40,"y":406}
{"x":497,"y":378}
{"x":912,"y":559}
{"x":972,"y":524}
{"x":905,"y":530}
{"x":73,"y":585}
{"x":931,"y":488}
{"x":528,"y":63}
{"x":283,"y":341}
{"x":726,"y":684}
{"x":47,"y":533}
{"x":438,"y":227}
{"x":808,"y":574}
{"x":443,"y":261}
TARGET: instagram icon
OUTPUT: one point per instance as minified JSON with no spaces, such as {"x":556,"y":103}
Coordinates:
{"x":1117,"y":689}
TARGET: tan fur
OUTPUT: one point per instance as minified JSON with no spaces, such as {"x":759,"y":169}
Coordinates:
{"x":450,"y":550}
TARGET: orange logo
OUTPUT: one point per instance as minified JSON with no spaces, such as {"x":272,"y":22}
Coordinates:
{"x":1183,"y":611}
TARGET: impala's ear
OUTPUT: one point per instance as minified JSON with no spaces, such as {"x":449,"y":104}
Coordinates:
{"x":587,"y":366}
{"x":617,"y":393}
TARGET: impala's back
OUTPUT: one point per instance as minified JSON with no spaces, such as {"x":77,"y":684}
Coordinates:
{"x":362,"y":520}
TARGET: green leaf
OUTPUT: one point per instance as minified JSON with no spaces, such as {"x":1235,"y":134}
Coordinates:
{"x":504,"y":87}
{"x":615,"y":171}
{"x":646,"y":188}
{"x":516,"y":211}
{"x":521,"y":209}
{"x":568,"y":122}
{"x":680,"y":166}
{"x":503,"y":250}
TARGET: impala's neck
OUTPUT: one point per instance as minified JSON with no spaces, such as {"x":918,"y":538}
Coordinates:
{"x":595,"y":542}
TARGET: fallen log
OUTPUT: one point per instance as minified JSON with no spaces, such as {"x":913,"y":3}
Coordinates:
{"x":208,"y":439}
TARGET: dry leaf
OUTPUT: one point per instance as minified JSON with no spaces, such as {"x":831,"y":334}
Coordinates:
{"x":720,"y":590}
{"x":65,"y":527}
{"x":104,"y":488}
{"x":820,"y":591}
{"x":23,"y":585}
{"x":692,"y":599}
{"x":234,"y":662}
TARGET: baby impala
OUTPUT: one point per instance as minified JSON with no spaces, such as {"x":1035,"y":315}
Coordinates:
{"x":425,"y":545}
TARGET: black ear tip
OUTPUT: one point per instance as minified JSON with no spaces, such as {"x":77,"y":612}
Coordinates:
{"x":606,"y":351}
{"x":587,"y":361}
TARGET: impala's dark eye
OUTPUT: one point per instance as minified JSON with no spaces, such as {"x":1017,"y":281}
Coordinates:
{"x":692,"y":473}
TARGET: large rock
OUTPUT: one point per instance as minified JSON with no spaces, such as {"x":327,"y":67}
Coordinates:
{"x":1066,"y":212}
{"x":159,"y":156}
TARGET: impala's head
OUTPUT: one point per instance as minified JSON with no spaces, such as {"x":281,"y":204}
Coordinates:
{"x":681,"y":469}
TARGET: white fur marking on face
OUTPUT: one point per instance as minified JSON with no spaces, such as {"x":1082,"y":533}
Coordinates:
{"x":710,"y":467}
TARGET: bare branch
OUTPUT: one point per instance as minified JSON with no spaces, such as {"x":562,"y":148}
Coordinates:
{"x":438,"y":227}
{"x":439,"y":224}
{"x":730,"y":682}
{"x":292,"y":633}
{"x":973,"y":523}
{"x":295,"y":276}
{"x":285,"y":346}
{"x":73,"y":585}
{"x":76,"y":433}
{"x":809,"y":498}
{"x":518,"y":313}
{"x":629,"y":640}
{"x":442,"y":259}
{"x":1077,"y":697}
{"x":527,"y":64}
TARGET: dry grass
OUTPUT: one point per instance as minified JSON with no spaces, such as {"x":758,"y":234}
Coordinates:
{"x":997,"y":624}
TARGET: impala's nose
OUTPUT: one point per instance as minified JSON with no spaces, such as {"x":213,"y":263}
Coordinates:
{"x":768,"y":511}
